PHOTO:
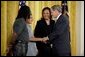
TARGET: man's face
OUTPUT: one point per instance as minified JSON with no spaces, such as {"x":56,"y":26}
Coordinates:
{"x":54,"y":13}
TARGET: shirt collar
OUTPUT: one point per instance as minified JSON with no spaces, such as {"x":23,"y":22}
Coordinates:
{"x":57,"y":17}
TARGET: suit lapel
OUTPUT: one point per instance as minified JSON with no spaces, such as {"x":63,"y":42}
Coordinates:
{"x":56,"y":23}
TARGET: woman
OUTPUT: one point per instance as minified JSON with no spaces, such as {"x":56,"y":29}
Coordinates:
{"x":20,"y":32}
{"x":44,"y":28}
{"x":32,"y":49}
{"x":21,"y":36}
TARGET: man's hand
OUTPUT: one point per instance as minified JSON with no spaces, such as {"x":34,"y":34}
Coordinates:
{"x":45,"y":39}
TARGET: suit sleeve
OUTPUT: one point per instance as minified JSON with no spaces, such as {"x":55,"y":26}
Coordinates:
{"x":59,"y":29}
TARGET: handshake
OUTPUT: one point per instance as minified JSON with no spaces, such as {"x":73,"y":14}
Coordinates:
{"x":44,"y":40}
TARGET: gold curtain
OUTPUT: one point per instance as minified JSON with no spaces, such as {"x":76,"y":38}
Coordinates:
{"x":72,"y":20}
{"x":9,"y":11}
{"x":3,"y":27}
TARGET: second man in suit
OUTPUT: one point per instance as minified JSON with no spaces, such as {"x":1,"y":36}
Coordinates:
{"x":60,"y":34}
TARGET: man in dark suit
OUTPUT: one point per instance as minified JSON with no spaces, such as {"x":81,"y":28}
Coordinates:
{"x":60,"y":35}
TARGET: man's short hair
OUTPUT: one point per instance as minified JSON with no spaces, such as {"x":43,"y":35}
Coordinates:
{"x":57,"y":7}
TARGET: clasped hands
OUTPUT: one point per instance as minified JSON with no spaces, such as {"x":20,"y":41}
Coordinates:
{"x":45,"y":39}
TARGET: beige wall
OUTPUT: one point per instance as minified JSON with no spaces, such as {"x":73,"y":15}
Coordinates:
{"x":80,"y":27}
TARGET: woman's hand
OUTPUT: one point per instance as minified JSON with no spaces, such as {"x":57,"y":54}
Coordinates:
{"x":44,"y":40}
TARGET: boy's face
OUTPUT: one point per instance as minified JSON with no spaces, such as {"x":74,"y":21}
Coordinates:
{"x":29,"y":21}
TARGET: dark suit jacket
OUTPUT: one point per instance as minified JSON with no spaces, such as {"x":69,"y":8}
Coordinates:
{"x":60,"y":37}
{"x":43,"y":30}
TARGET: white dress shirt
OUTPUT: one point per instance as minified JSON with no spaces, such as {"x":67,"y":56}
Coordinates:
{"x":55,"y":19}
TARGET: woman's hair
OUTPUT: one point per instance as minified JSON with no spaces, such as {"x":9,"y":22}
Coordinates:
{"x":24,"y":12}
{"x":46,"y":8}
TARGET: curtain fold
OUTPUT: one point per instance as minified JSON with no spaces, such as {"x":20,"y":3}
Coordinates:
{"x":72,"y":20}
{"x":3,"y":27}
{"x":9,"y":11}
